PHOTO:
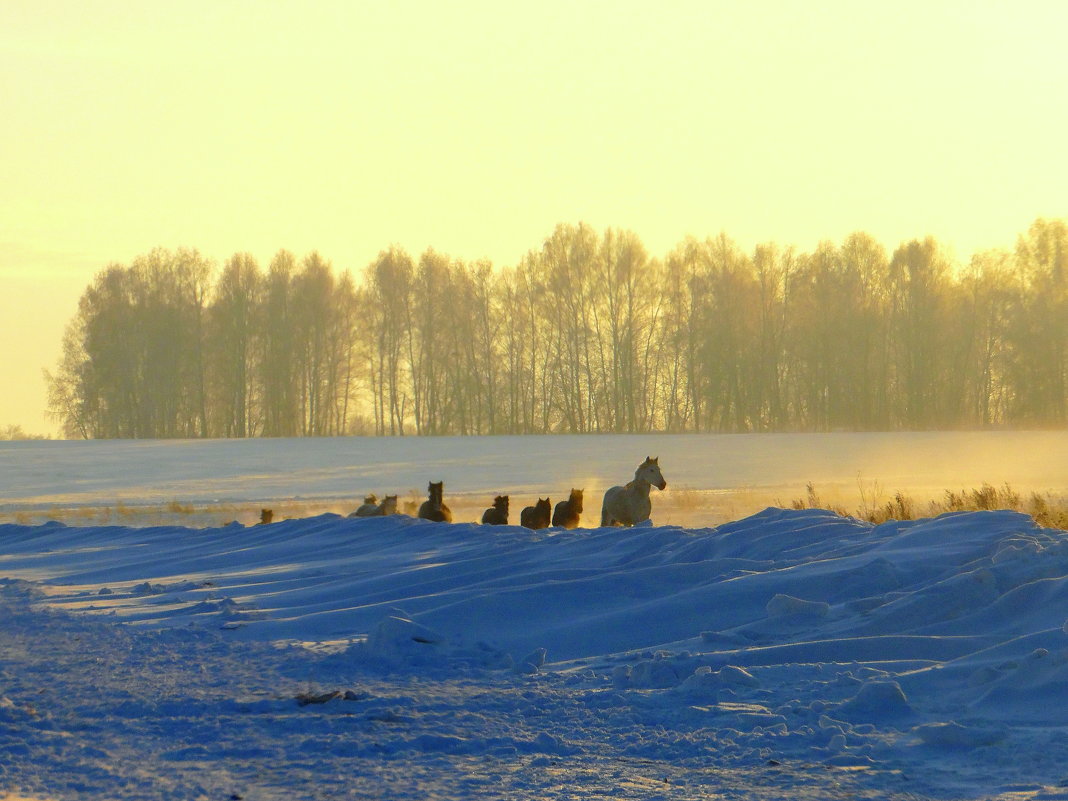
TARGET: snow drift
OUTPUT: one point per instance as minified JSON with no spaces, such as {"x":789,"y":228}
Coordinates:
{"x":920,"y":657}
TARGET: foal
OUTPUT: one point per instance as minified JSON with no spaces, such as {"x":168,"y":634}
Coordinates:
{"x":567,"y":513}
{"x":434,"y":508}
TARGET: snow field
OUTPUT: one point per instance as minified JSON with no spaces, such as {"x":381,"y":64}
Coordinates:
{"x":790,"y":654}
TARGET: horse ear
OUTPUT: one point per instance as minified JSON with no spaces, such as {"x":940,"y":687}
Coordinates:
{"x":656,"y":460}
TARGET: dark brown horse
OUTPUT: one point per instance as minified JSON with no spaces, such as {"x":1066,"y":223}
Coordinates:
{"x":567,"y":513}
{"x":537,"y":516}
{"x":434,"y":508}
{"x":497,"y":515}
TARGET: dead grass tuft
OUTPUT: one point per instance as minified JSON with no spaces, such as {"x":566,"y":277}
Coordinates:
{"x":177,"y":508}
{"x":1047,"y":510}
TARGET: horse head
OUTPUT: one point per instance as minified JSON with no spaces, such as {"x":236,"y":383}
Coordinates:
{"x":576,"y":500}
{"x":649,"y":470}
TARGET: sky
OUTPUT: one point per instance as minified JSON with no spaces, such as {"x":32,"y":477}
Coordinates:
{"x":475,"y":127}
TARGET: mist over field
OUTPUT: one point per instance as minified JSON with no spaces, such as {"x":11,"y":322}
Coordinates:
{"x":711,"y":478}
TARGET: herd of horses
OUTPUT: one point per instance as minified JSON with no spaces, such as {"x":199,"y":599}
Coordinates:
{"x":624,"y":505}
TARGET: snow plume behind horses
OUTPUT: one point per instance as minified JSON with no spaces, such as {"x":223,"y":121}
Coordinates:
{"x":630,"y":504}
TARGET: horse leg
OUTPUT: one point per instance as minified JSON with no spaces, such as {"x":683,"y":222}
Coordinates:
{"x":606,"y":518}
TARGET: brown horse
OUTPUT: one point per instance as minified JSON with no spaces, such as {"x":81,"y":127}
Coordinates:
{"x":497,"y":515}
{"x":629,"y":505}
{"x":434,"y":508}
{"x":368,"y":508}
{"x":567,"y":513}
{"x":537,"y":516}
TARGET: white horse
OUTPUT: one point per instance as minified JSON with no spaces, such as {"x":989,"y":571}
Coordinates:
{"x":626,"y":506}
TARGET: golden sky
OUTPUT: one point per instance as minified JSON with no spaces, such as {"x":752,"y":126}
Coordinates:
{"x":474,"y":127}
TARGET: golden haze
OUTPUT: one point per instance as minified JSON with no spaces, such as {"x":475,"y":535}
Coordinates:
{"x":474,"y":127}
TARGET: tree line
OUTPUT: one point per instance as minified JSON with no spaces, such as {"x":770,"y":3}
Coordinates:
{"x":587,"y":333}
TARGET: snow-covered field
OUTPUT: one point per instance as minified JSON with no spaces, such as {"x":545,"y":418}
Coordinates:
{"x":786,"y":655}
{"x":712,"y":478}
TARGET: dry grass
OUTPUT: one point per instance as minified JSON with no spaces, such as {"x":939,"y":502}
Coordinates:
{"x":176,"y":508}
{"x":1047,"y":509}
{"x":684,"y":506}
{"x":686,"y":499}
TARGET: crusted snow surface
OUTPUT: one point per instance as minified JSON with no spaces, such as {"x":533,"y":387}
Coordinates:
{"x":791,"y":654}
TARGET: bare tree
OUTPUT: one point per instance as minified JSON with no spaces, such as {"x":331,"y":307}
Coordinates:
{"x":233,"y":322}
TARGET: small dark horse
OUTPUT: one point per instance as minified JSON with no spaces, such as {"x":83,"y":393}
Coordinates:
{"x":537,"y":516}
{"x":567,"y":513}
{"x":434,"y":508}
{"x":497,"y":515}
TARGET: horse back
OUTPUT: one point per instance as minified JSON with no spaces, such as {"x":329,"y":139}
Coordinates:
{"x":494,"y":517}
{"x":437,"y":513}
{"x":533,"y":517}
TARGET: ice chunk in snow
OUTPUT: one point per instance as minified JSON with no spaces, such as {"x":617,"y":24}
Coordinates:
{"x":731,"y":674}
{"x":704,"y":679}
{"x":532,"y":662}
{"x":954,"y":735}
{"x":876,"y":701}
{"x":396,"y":636}
{"x":647,"y":674}
{"x":654,"y":673}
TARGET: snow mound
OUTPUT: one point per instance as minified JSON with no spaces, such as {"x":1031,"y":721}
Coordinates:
{"x":787,"y":638}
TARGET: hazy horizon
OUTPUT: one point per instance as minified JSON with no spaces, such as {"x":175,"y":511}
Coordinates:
{"x":474,"y":129}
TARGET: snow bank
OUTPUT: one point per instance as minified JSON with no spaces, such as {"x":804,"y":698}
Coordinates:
{"x":788,"y":637}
